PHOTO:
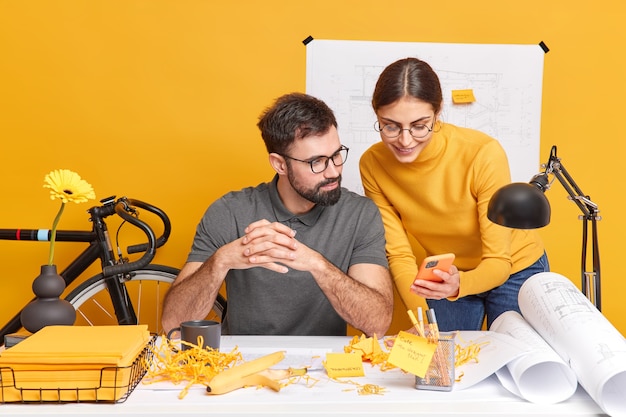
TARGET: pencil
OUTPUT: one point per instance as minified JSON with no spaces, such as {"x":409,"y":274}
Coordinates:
{"x":432,"y":320}
{"x":440,"y":357}
{"x":420,"y":317}
{"x":415,"y":323}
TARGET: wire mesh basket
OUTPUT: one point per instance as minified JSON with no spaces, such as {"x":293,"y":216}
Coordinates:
{"x":105,"y":385}
{"x":440,"y":373}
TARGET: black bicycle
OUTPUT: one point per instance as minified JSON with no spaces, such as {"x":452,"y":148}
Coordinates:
{"x":125,"y":292}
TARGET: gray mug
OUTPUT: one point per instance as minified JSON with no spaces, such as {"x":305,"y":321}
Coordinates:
{"x":211,"y":332}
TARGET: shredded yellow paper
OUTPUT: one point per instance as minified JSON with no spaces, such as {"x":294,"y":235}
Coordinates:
{"x":363,"y":389}
{"x":467,"y":353}
{"x":370,"y":352}
{"x":370,"y":389}
{"x":308,"y":380}
{"x":193,"y":365}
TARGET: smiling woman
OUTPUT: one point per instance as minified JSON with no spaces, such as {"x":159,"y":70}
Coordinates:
{"x":421,"y":177}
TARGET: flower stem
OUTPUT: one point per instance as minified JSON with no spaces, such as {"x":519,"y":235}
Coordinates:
{"x":53,"y":233}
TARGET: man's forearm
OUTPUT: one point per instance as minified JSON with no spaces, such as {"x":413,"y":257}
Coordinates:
{"x":365,"y":308}
{"x":192,"y":297}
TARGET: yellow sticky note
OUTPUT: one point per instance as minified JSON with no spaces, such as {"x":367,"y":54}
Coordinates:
{"x":412,"y":353}
{"x":463,"y":96}
{"x":343,"y":365}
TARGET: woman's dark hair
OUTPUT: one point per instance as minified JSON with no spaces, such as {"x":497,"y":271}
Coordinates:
{"x":294,"y":116}
{"x":407,"y":77}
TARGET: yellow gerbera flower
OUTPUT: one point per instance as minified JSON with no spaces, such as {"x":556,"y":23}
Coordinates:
{"x":66,"y":186}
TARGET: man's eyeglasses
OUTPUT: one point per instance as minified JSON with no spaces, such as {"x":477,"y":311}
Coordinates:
{"x":392,"y":131}
{"x":320,"y":163}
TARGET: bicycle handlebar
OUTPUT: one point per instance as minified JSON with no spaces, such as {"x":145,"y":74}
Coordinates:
{"x":167,"y":226}
{"x":123,"y":207}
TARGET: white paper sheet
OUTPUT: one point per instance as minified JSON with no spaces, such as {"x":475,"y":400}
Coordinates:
{"x":581,"y":335}
{"x":496,"y":351}
{"x":540,"y":375}
{"x":296,"y":358}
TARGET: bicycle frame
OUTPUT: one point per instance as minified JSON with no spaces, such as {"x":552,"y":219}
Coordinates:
{"x":100,"y":248}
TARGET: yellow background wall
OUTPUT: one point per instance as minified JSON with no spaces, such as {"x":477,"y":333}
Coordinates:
{"x":158,"y":100}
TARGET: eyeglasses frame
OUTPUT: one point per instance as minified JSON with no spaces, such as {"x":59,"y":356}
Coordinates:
{"x":328,"y":158}
{"x":379,"y":129}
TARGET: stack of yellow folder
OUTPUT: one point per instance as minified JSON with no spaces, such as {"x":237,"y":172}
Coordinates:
{"x":72,"y":363}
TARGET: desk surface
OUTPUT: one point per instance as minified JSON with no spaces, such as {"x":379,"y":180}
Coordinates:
{"x":325,"y":397}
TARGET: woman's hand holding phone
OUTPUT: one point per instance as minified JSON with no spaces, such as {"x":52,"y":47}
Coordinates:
{"x":431,"y":285}
{"x":429,"y":264}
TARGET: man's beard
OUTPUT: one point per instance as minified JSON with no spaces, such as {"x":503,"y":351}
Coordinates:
{"x":323,"y":198}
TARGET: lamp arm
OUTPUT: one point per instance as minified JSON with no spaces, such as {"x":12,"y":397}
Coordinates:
{"x":590,"y":279}
{"x":584,"y":203}
{"x":588,"y":207}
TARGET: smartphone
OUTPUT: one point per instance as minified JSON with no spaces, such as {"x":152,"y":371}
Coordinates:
{"x":430,"y":263}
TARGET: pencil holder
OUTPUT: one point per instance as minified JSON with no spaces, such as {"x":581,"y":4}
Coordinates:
{"x":440,"y":373}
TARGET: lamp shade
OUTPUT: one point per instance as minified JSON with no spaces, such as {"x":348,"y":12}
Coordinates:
{"x":520,"y":206}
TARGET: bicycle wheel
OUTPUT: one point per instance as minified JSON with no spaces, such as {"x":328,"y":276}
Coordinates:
{"x":146,"y":288}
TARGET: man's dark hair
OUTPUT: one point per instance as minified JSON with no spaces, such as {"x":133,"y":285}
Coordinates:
{"x":294,"y":116}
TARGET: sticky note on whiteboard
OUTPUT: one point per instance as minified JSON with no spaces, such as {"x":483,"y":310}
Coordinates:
{"x":463,"y":96}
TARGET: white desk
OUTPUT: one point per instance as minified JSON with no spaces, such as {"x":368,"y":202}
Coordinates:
{"x":325,"y":398}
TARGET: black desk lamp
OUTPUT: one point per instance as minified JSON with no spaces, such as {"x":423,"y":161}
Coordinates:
{"x":524,"y":206}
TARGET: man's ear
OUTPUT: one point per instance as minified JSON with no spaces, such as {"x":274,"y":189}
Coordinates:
{"x":278,"y":163}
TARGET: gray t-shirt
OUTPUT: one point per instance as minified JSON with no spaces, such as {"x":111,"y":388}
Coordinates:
{"x":265,"y":302}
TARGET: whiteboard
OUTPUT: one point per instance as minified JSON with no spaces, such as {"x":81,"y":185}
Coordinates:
{"x":506,"y":81}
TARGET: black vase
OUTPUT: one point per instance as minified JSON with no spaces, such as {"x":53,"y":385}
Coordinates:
{"x":48,"y":309}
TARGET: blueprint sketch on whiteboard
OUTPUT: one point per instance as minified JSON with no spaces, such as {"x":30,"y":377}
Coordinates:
{"x":506,"y":81}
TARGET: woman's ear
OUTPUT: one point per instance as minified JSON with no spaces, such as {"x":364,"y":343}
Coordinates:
{"x":278,"y":163}
{"x":438,"y":115}
{"x":438,"y":121}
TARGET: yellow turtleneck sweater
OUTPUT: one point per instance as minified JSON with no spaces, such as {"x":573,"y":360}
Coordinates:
{"x":441,"y":200}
